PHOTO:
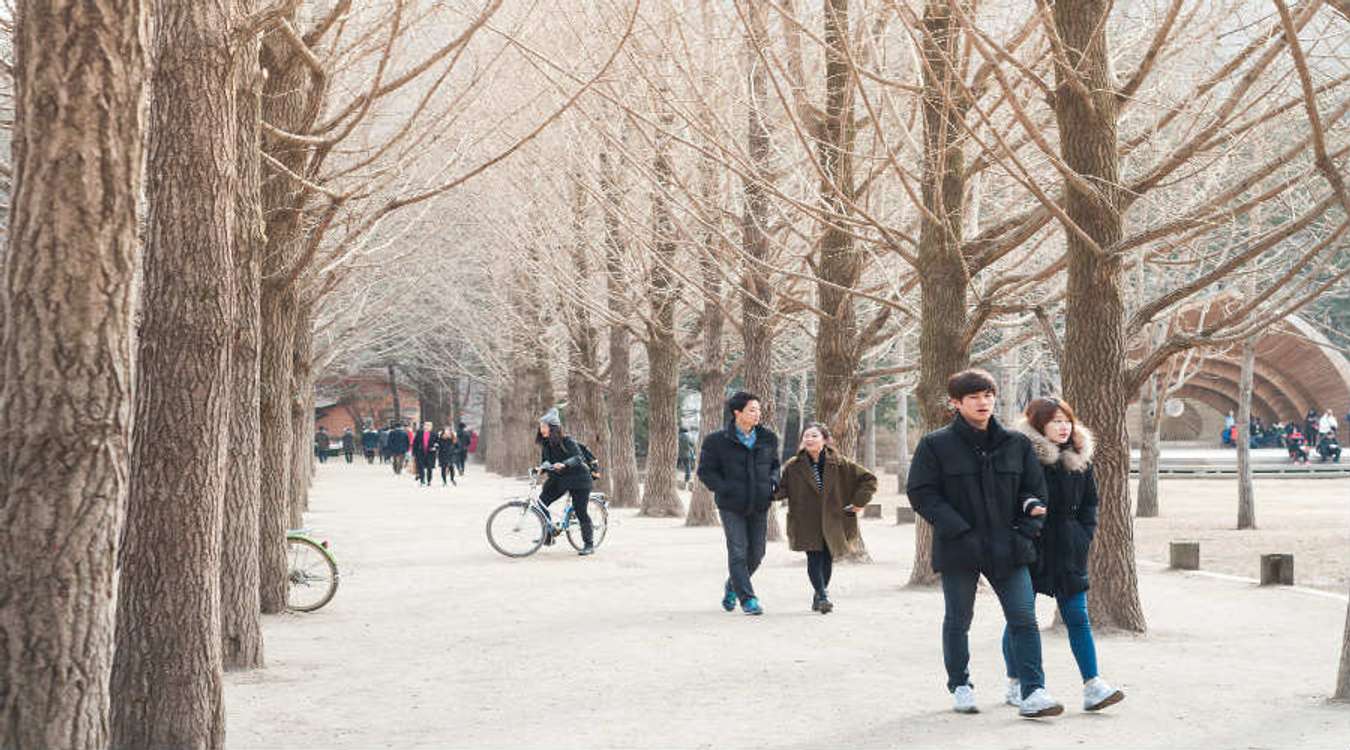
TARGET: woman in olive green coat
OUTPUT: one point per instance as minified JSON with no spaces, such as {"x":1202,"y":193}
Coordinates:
{"x":825,"y":493}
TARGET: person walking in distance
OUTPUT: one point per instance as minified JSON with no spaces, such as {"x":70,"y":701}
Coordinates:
{"x":348,"y":444}
{"x":982,"y":489}
{"x":825,"y":493}
{"x":370,"y":442}
{"x":447,"y":451}
{"x":686,"y":454}
{"x":568,"y":474}
{"x":322,"y":444}
{"x":739,"y":464}
{"x":397,"y":444}
{"x":1064,"y":447}
{"x":462,"y":440}
{"x":424,"y":453}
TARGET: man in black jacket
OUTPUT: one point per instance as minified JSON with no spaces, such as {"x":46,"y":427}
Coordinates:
{"x":424,"y":453}
{"x":981,"y":487}
{"x":739,"y":463}
{"x":462,"y":449}
{"x":396,"y":444}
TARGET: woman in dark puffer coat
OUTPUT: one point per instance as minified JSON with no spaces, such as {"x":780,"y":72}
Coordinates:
{"x":1064,"y":448}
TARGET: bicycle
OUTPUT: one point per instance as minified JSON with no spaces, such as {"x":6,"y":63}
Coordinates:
{"x":312,"y":572}
{"x":518,"y":528}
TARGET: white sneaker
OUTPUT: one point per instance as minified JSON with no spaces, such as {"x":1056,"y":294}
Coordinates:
{"x":1039,"y":704}
{"x":1014,"y":696}
{"x":965,"y":700}
{"x":1098,"y":695}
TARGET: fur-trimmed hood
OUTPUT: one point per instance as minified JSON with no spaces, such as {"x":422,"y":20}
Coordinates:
{"x":1076,"y":456}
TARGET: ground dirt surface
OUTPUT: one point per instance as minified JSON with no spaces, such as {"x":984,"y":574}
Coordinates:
{"x":436,"y":641}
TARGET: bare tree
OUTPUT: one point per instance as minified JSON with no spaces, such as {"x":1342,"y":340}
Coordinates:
{"x":167,"y":677}
{"x":240,"y":580}
{"x":79,"y":77}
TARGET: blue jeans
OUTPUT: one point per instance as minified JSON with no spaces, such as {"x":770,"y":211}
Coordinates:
{"x":1018,"y":600}
{"x":1073,"y":610}
{"x":745,"y":549}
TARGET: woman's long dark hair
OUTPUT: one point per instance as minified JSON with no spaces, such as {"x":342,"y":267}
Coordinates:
{"x":555,"y":436}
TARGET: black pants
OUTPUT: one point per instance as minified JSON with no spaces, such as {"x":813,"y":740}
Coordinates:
{"x":398,"y":458}
{"x":348,"y":455}
{"x":459,"y":461}
{"x":323,"y":455}
{"x":447,"y":467}
{"x":819,"y":566}
{"x":370,"y":457}
{"x":424,"y":466}
{"x":745,"y":549}
{"x":580,"y":499}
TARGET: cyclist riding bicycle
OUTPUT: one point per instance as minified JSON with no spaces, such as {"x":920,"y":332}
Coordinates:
{"x":568,"y":473}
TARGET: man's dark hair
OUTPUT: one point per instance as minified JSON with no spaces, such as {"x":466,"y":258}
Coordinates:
{"x":967,"y":382}
{"x":738,"y":401}
{"x":461,"y":425}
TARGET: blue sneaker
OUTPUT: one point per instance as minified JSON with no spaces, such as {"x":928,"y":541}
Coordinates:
{"x":751,"y":606}
{"x":729,"y":601}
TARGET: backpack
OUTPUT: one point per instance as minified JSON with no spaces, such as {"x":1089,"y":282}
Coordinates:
{"x":591,"y":462}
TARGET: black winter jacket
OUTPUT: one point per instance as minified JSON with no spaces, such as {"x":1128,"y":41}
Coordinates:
{"x":446,"y":449}
{"x":742,"y":480}
{"x":1071,"y":519}
{"x":576,"y":475}
{"x":977,"y":499}
{"x":397,"y":441}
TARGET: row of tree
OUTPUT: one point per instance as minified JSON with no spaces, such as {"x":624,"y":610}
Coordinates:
{"x":581,"y":205}
{"x":872,"y":195}
{"x":190,"y":185}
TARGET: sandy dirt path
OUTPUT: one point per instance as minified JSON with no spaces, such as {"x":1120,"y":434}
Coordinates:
{"x":434,"y":640}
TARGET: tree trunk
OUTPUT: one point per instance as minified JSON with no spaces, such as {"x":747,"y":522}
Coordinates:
{"x":240,"y":606}
{"x":277,"y":439}
{"x":288,"y":102}
{"x":659,"y":497}
{"x":584,"y":392}
{"x":623,"y":474}
{"x":79,"y":80}
{"x":489,"y":443}
{"x":167,"y":679}
{"x":757,"y":307}
{"x":943,"y":274}
{"x":302,"y":415}
{"x":838,"y":348}
{"x":1094,"y":342}
{"x":1246,"y":499}
{"x":1150,"y":418}
{"x":712,"y":376}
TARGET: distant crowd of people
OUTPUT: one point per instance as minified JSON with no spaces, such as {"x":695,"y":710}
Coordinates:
{"x":449,"y":448}
{"x":1301,"y":438}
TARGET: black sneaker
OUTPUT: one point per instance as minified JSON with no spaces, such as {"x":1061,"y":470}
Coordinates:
{"x":587,"y":550}
{"x":825,"y":607}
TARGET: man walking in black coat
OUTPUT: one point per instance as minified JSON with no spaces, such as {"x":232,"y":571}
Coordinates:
{"x":370,"y":442}
{"x":739,"y":463}
{"x":348,"y":444}
{"x":461,"y":446}
{"x":396,"y":445}
{"x":424,"y":453}
{"x":982,"y":488}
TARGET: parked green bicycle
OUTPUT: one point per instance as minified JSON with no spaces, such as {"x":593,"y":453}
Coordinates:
{"x":518,"y":528}
{"x":312,"y":577}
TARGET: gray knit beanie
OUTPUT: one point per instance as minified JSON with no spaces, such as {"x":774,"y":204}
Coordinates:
{"x":551,"y":417}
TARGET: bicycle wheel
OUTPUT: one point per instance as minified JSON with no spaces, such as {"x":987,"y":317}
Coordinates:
{"x":515,"y":529}
{"x":599,"y":524}
{"x":313,"y":577}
